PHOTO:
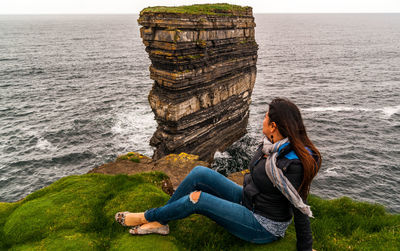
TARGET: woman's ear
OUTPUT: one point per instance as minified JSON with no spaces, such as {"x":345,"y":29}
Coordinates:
{"x":273,"y":127}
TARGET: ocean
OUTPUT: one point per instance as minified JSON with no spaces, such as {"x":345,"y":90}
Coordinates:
{"x":73,"y":95}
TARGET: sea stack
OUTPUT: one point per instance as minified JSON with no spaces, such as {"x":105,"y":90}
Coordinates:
{"x":203,"y":63}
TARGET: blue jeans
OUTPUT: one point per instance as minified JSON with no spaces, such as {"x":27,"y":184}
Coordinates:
{"x":220,"y":200}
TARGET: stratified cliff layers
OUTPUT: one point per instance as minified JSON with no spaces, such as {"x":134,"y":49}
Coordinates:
{"x":203,"y":63}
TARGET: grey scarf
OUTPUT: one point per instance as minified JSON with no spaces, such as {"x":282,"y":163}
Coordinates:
{"x":278,"y":179}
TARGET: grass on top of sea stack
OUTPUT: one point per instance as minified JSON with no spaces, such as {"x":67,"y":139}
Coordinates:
{"x":219,"y":9}
{"x":77,"y":213}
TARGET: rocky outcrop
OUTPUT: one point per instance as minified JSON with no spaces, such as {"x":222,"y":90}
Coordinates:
{"x":203,"y":63}
{"x":176,"y":166}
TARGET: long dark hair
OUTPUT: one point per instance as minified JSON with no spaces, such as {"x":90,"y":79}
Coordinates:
{"x":287,"y":118}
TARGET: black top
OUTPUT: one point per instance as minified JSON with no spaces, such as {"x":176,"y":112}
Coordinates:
{"x":260,"y":195}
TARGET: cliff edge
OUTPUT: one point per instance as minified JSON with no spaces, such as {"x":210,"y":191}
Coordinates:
{"x":77,"y":213}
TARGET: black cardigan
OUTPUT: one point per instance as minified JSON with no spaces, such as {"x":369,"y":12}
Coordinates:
{"x":260,"y":195}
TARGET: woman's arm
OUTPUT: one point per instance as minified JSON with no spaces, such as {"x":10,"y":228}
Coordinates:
{"x":303,"y":230}
{"x":301,"y":221}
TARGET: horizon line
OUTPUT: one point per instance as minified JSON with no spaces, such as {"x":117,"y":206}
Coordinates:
{"x":130,"y":13}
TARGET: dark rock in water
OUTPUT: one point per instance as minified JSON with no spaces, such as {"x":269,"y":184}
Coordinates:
{"x":204,"y":70}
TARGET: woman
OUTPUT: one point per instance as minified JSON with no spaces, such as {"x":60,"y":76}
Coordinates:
{"x":273,"y":191}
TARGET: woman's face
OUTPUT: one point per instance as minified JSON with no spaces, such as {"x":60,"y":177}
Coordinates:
{"x":266,"y":126}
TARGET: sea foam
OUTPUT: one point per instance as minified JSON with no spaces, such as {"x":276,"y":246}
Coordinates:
{"x":387,"y":111}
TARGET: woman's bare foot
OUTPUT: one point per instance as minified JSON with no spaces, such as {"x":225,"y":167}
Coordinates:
{"x":151,"y":225}
{"x":134,"y":219}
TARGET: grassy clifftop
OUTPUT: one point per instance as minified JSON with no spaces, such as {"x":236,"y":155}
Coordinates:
{"x":220,"y":9}
{"x":77,"y":213}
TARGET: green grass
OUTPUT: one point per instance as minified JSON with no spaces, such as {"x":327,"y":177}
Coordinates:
{"x":221,"y":9}
{"x":346,"y":224}
{"x":77,"y":213}
{"x":132,"y":156}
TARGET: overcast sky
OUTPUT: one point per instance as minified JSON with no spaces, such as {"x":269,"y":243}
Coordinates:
{"x":134,"y":6}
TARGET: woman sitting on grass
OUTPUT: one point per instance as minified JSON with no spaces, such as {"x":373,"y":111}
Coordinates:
{"x":273,"y":191}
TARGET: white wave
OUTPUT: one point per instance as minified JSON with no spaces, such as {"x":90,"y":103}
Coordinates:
{"x":134,"y":121}
{"x":390,"y":110}
{"x":336,"y":109}
{"x":222,"y":155}
{"x":45,"y":145}
{"x":387,"y":111}
{"x":331,"y":172}
{"x":133,"y":130}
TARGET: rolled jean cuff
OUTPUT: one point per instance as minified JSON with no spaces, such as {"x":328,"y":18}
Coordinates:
{"x":150,"y":216}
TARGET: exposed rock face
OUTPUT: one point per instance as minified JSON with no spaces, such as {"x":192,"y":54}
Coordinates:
{"x":204,"y":70}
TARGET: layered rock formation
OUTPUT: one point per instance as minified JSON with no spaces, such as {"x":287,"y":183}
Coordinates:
{"x":203,"y":63}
